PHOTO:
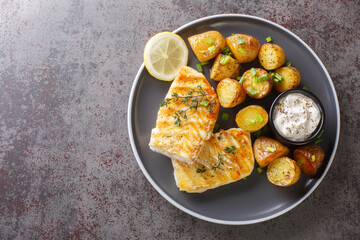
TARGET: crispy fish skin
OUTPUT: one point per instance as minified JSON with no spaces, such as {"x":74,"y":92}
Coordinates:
{"x":185,"y":142}
{"x":208,"y":172}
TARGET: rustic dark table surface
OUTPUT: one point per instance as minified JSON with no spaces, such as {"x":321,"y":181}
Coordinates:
{"x":67,"y":170}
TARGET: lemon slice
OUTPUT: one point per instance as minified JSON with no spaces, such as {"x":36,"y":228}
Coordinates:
{"x":164,"y":54}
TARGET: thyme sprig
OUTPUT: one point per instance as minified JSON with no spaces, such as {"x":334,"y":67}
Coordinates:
{"x":218,"y":165}
{"x":195,"y":100}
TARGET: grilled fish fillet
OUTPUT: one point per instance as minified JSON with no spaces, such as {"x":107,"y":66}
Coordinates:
{"x":226,"y":157}
{"x":180,"y":136}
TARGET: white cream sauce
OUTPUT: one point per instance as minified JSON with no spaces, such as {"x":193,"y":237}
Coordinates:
{"x":296,"y":117}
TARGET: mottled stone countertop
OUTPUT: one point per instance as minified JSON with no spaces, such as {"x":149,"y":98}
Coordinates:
{"x":67,"y":170}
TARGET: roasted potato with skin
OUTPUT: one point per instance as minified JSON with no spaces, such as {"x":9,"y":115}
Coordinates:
{"x":230,"y":93}
{"x":271,"y":56}
{"x":283,"y":172}
{"x":219,"y":71}
{"x":291,"y":78}
{"x":201,"y":43}
{"x":267,"y":149}
{"x":254,"y":88}
{"x":250,"y":47}
{"x":252,"y":118}
{"x":309,"y":158}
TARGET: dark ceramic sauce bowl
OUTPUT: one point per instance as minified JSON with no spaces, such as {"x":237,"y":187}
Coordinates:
{"x":314,"y":134}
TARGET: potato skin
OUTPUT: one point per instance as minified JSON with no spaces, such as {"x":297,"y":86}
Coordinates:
{"x":291,"y":77}
{"x":263,"y":156}
{"x":283,"y":172}
{"x":249,"y":113}
{"x":200,"y":46}
{"x":263,"y":88}
{"x":230,"y":70}
{"x":230,"y":93}
{"x":271,"y":56}
{"x":303,"y":157}
{"x":251,"y":47}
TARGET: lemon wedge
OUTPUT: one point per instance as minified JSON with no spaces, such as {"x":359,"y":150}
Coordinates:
{"x":164,"y":54}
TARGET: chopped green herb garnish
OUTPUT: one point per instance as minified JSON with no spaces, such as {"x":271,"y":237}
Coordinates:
{"x":278,"y":78}
{"x":318,"y":140}
{"x":272,"y":74}
{"x":244,"y":178}
{"x":209,"y":41}
{"x":226,"y":51}
{"x":263,"y":78}
{"x":320,"y":134}
{"x":259,"y":169}
{"x":204,"y":103}
{"x":238,"y":78}
{"x":216,"y":127}
{"x":230,"y":149}
{"x":224,"y":60}
{"x":252,"y":90}
{"x":313,"y":158}
{"x":305,"y":88}
{"x":253,"y":72}
{"x":232,"y":34}
{"x":218,"y":166}
{"x":271,"y":149}
{"x":242,"y":79}
{"x":259,"y":118}
{"x":266,"y":128}
{"x":257,"y":133}
{"x":225,"y":116}
{"x":268,"y":39}
{"x":199,"y":67}
{"x":299,"y":163}
{"x":251,"y":121}
{"x":204,"y":63}
{"x":212,"y":49}
{"x":201,"y":170}
{"x":241,"y":50}
{"x":241,"y":41}
{"x":288,"y":64}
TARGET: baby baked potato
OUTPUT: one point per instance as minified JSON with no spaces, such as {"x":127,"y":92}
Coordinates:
{"x":309,"y":158}
{"x":252,"y":118}
{"x":244,"y":50}
{"x":271,"y":56}
{"x":283,"y":172}
{"x":224,"y":67}
{"x":267,"y":149}
{"x":291,"y":79}
{"x":255,"y":85}
{"x":230,"y":93}
{"x":207,"y":45}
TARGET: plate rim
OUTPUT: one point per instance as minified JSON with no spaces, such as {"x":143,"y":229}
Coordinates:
{"x":215,"y":220}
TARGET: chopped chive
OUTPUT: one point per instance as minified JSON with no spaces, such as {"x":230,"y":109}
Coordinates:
{"x":288,"y":64}
{"x":318,"y":140}
{"x":313,"y":158}
{"x":225,"y":116}
{"x":232,"y":34}
{"x":241,"y":41}
{"x":271,"y":149}
{"x":204,"y":103}
{"x":241,"y":50}
{"x":224,"y":60}
{"x":226,"y":51}
{"x":320,"y":134}
{"x":209,"y":41}
{"x":253,"y":72}
{"x":204,"y":63}
{"x":257,"y":133}
{"x":244,"y":178}
{"x":242,"y":79}
{"x":305,"y":88}
{"x":238,"y":78}
{"x":263,"y":78}
{"x":252,"y":90}
{"x":278,"y":76}
{"x":251,"y":121}
{"x":272,"y":74}
{"x":268,"y":39}
{"x":212,"y":49}
{"x":259,"y":118}
{"x":199,"y":67}
{"x":259,"y":169}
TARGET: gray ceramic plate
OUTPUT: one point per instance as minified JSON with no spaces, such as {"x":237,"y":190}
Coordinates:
{"x":246,"y":201}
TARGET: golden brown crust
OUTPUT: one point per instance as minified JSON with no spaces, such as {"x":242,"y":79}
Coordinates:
{"x":200,"y":46}
{"x":230,"y":70}
{"x":262,"y":88}
{"x":304,"y":157}
{"x":250,"y":47}
{"x":263,"y":155}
